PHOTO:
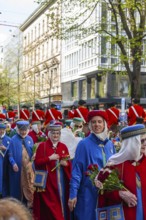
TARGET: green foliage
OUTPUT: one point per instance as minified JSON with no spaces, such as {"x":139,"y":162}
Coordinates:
{"x":7,"y":91}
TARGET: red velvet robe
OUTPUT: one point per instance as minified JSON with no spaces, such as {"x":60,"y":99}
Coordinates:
{"x":35,"y":136}
{"x":111,"y":118}
{"x":84,"y":111}
{"x":129,"y":179}
{"x":70,"y":114}
{"x":24,"y":114}
{"x":47,"y":205}
{"x":131,"y":115}
{"x":39,"y":116}
{"x":11,"y":114}
{"x":57,"y":115}
{"x":2,"y":116}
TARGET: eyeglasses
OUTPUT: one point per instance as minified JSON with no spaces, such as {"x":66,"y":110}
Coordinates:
{"x":143,"y":140}
{"x":78,"y":126}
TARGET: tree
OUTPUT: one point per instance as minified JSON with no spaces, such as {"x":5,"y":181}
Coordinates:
{"x":13,"y":67}
{"x":122,"y":22}
{"x":7,"y":92}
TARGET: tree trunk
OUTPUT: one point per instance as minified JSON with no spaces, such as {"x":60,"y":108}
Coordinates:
{"x":135,"y":83}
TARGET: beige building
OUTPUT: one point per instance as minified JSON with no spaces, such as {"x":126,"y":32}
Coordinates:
{"x":41,"y":57}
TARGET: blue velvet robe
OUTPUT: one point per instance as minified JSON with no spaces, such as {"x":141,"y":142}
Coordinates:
{"x":14,"y":155}
{"x":89,"y":151}
{"x":5,"y":142}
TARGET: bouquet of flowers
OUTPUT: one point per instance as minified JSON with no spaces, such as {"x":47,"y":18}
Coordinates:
{"x":42,"y":138}
{"x":63,"y":157}
{"x":92,"y":172}
{"x":108,"y":180}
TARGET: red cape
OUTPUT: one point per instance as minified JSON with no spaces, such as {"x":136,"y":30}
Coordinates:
{"x":47,"y":205}
{"x":129,"y":179}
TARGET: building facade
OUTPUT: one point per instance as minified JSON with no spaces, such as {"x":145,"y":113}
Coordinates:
{"x":41,"y":57}
{"x":90,"y":63}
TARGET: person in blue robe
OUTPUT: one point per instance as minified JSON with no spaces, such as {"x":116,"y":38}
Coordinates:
{"x":94,"y":149}
{"x":19,"y":155}
{"x":4,"y":143}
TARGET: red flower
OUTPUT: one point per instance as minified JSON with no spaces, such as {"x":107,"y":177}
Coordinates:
{"x":64,"y":157}
{"x":92,"y":167}
{"x":87,"y":173}
{"x":103,"y":174}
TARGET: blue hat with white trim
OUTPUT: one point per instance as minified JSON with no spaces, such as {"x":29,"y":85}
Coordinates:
{"x":2,"y":126}
{"x":22,"y":125}
{"x":54,"y":127}
{"x":132,"y":131}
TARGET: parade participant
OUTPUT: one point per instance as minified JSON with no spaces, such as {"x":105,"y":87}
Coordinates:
{"x":24,"y":113}
{"x":94,"y":149}
{"x":36,"y":133}
{"x":71,"y":112}
{"x":130,"y":163}
{"x":81,"y":111}
{"x":10,"y":114}
{"x":2,"y":117}
{"x":4,"y":143}
{"x":135,"y":111}
{"x":113,"y":115}
{"x":38,"y":114}
{"x":77,"y":127}
{"x":19,"y":172}
{"x":52,"y":204}
{"x":9,"y":131}
{"x":52,"y":114}
{"x":68,"y":123}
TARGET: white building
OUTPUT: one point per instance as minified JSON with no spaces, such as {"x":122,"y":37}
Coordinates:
{"x":85,"y":59}
{"x":41,"y":57}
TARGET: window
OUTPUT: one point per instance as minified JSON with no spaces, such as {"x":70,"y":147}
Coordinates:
{"x":103,"y":49}
{"x":74,"y":90}
{"x":92,"y":89}
{"x":43,"y":27}
{"x":104,"y":15}
{"x":39,"y":30}
{"x":83,"y":89}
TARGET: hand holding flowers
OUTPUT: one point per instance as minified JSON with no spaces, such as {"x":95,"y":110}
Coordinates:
{"x":92,"y":172}
{"x":108,"y":180}
{"x":62,"y":161}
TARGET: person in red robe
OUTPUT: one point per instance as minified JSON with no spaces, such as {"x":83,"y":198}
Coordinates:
{"x":11,"y":114}
{"x":36,"y":133}
{"x":50,"y":156}
{"x":24,"y":113}
{"x":81,"y":111}
{"x":52,"y":114}
{"x":130,"y":162}
{"x":135,"y":111}
{"x":71,"y":112}
{"x":38,"y":114}
{"x":113,"y":115}
{"x":2,"y":117}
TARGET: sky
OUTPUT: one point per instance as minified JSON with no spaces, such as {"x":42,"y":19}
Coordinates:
{"x":13,"y":13}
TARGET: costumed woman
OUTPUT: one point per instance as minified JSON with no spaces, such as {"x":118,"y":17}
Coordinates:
{"x":52,"y":156}
{"x":94,"y":149}
{"x":130,"y":162}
